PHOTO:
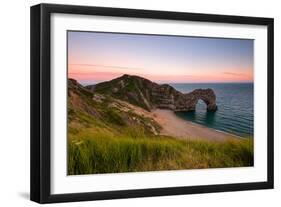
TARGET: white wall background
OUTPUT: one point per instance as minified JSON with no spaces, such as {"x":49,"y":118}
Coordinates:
{"x":14,"y":101}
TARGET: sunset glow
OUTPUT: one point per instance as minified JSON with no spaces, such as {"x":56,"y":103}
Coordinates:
{"x":96,"y":57}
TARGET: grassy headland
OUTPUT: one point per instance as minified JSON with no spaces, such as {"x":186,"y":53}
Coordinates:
{"x":107,"y":136}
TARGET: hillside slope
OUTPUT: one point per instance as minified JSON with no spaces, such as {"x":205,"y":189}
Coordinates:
{"x":149,"y":95}
{"x":83,"y":105}
{"x":107,"y":135}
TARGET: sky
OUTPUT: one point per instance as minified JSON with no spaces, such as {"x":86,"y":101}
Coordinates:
{"x":95,"y":57}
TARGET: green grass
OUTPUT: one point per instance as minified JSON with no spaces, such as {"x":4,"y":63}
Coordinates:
{"x":105,"y":139}
{"x":101,"y":150}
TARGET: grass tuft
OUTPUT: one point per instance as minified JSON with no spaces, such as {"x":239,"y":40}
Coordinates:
{"x":103,"y":151}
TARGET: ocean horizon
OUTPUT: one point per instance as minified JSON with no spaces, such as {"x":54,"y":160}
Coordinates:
{"x":89,"y":82}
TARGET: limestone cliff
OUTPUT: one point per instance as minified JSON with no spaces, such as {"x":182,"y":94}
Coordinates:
{"x":149,"y":95}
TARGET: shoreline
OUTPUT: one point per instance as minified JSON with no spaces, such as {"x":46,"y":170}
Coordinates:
{"x":172,"y":125}
{"x":176,"y":127}
{"x":217,"y":130}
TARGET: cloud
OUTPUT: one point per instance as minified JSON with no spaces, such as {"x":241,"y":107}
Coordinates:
{"x":233,"y":74}
{"x":105,"y":66}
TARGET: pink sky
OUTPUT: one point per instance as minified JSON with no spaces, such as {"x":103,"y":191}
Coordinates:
{"x":96,"y":57}
{"x":86,"y":73}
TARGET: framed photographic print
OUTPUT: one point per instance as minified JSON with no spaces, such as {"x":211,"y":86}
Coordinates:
{"x":132,"y":103}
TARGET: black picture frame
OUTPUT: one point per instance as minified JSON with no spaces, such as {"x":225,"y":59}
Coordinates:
{"x":41,"y":96}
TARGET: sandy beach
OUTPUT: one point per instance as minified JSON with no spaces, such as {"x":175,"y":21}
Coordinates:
{"x":174,"y":126}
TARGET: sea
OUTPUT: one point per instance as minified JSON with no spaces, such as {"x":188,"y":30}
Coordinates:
{"x":235,"y":112}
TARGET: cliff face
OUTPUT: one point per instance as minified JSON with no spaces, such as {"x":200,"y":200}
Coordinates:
{"x":86,"y":108}
{"x":149,"y":95}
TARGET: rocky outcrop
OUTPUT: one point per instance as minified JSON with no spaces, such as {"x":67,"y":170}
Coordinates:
{"x":206,"y":95}
{"x":166,"y":97}
{"x":149,"y":95}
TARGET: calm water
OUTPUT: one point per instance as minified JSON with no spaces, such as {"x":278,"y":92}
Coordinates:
{"x":235,"y":107}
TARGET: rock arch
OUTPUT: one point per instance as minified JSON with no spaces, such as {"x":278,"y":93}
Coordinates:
{"x":187,"y":102}
{"x":206,"y":95}
{"x":149,"y":95}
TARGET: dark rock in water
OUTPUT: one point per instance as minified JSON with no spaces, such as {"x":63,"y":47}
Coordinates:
{"x":149,"y":95}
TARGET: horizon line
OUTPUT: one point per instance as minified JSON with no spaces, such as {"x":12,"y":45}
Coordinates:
{"x":94,"y":83}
